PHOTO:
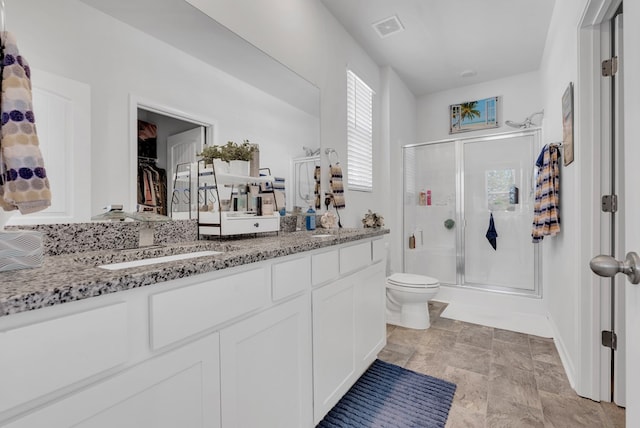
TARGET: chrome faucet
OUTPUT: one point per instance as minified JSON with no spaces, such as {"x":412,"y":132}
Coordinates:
{"x":147,"y":228}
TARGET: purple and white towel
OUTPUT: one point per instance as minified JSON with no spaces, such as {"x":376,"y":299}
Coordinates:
{"x":23,"y":178}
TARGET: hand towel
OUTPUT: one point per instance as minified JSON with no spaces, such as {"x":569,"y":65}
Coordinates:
{"x":336,"y":185}
{"x":492,"y":235}
{"x":546,"y":207}
{"x":316,"y":191}
{"x":23,"y":178}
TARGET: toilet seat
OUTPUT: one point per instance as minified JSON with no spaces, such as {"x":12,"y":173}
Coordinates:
{"x":412,"y":280}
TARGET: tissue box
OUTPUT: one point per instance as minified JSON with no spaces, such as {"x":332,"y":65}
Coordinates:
{"x":20,"y":249}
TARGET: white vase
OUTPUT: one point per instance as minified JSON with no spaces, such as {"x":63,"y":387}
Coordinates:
{"x":239,"y":167}
{"x":221,"y":166}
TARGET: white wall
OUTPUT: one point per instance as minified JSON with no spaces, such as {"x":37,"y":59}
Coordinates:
{"x":561,"y":264}
{"x":520,"y":96}
{"x":70,"y":39}
{"x":304,"y":36}
{"x":398,"y":129}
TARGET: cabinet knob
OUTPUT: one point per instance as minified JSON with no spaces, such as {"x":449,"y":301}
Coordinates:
{"x":256,"y":224}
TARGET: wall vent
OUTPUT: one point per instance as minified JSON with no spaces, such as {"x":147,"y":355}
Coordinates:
{"x":388,"y":26}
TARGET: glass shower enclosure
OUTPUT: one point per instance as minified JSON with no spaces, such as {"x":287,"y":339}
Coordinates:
{"x":456,"y":192}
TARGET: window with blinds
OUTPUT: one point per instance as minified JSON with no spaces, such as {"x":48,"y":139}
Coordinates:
{"x":359,"y":134}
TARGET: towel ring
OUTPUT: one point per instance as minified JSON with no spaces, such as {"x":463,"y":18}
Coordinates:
{"x":3,"y":26}
{"x":3,"y":23}
{"x":329,"y":152}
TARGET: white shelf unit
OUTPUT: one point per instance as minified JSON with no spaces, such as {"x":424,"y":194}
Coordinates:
{"x":211,"y":204}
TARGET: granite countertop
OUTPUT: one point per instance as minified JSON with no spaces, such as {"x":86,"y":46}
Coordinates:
{"x":71,"y":277}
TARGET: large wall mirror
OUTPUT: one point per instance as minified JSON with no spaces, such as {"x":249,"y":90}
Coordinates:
{"x":101,"y":66}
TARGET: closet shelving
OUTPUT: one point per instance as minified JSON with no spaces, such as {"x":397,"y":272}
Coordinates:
{"x":224,"y":204}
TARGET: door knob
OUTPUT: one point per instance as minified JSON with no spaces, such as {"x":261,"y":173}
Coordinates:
{"x":607,"y":266}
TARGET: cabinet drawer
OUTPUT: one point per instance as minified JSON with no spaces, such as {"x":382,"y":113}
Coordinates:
{"x":290,"y":277}
{"x":40,"y":358}
{"x":324,"y":267}
{"x":355,"y":257}
{"x":180,"y":313}
{"x":377,"y":249}
{"x":233,"y":226}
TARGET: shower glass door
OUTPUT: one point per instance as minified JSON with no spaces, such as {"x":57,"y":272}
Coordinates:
{"x":498,"y":182}
{"x":451,"y":190}
{"x":430,"y":211}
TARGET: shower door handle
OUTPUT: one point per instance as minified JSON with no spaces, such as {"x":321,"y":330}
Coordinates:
{"x":607,"y":266}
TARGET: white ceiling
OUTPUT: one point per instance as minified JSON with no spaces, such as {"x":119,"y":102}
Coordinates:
{"x":443,"y":38}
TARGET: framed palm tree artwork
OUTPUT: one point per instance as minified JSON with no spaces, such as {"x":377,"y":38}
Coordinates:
{"x":473,"y":115}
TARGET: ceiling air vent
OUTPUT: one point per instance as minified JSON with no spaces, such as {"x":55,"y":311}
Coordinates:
{"x":388,"y":26}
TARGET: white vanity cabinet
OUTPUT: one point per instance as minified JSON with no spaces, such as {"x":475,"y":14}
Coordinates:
{"x":180,"y":388}
{"x":270,"y":344}
{"x":266,"y":368}
{"x":348,"y":324}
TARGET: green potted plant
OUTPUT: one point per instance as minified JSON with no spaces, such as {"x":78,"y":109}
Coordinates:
{"x":232,"y":157}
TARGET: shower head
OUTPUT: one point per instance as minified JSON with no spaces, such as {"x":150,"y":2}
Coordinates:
{"x":527,"y":123}
{"x":513,"y":124}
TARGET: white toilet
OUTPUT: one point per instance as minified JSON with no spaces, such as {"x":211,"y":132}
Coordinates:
{"x":407,"y":297}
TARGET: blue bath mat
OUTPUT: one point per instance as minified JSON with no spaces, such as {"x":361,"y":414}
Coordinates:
{"x":390,"y":396}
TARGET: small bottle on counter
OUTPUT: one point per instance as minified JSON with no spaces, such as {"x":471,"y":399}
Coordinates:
{"x":310,"y":220}
{"x":259,"y":206}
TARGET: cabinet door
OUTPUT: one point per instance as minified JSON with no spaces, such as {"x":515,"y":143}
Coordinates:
{"x":176,"y":389}
{"x":39,"y":358}
{"x":370,"y":301}
{"x":266,"y":368}
{"x":333,"y":344}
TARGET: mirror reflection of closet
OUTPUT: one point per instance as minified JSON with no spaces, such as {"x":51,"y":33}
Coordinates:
{"x":306,"y":181}
{"x":163,"y":143}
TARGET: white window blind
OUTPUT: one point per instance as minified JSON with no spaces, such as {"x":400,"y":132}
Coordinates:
{"x":359,"y":134}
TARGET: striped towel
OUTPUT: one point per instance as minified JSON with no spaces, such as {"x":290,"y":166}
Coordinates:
{"x":278,"y":183}
{"x":316,"y":190}
{"x":23,"y":179}
{"x":336,"y":185}
{"x":546,"y":213}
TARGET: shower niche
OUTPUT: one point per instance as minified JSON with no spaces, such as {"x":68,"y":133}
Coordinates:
{"x":452,"y":191}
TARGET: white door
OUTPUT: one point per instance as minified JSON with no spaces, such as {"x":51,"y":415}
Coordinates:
{"x":182,"y":148}
{"x":619,"y":363}
{"x":612,"y":221}
{"x":632,"y":203}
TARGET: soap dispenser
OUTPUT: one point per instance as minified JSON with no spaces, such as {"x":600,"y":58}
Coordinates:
{"x":311,"y":219}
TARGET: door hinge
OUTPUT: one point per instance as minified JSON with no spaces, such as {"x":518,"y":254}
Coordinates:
{"x":610,"y":340}
{"x":609,"y":203}
{"x":609,"y":67}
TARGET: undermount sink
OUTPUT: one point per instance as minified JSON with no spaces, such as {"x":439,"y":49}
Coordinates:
{"x":323,"y":235}
{"x":154,"y":260}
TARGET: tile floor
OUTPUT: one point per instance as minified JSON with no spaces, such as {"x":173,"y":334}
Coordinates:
{"x":504,"y":379}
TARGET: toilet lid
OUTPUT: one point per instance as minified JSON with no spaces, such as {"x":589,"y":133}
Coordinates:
{"x":411,"y":280}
